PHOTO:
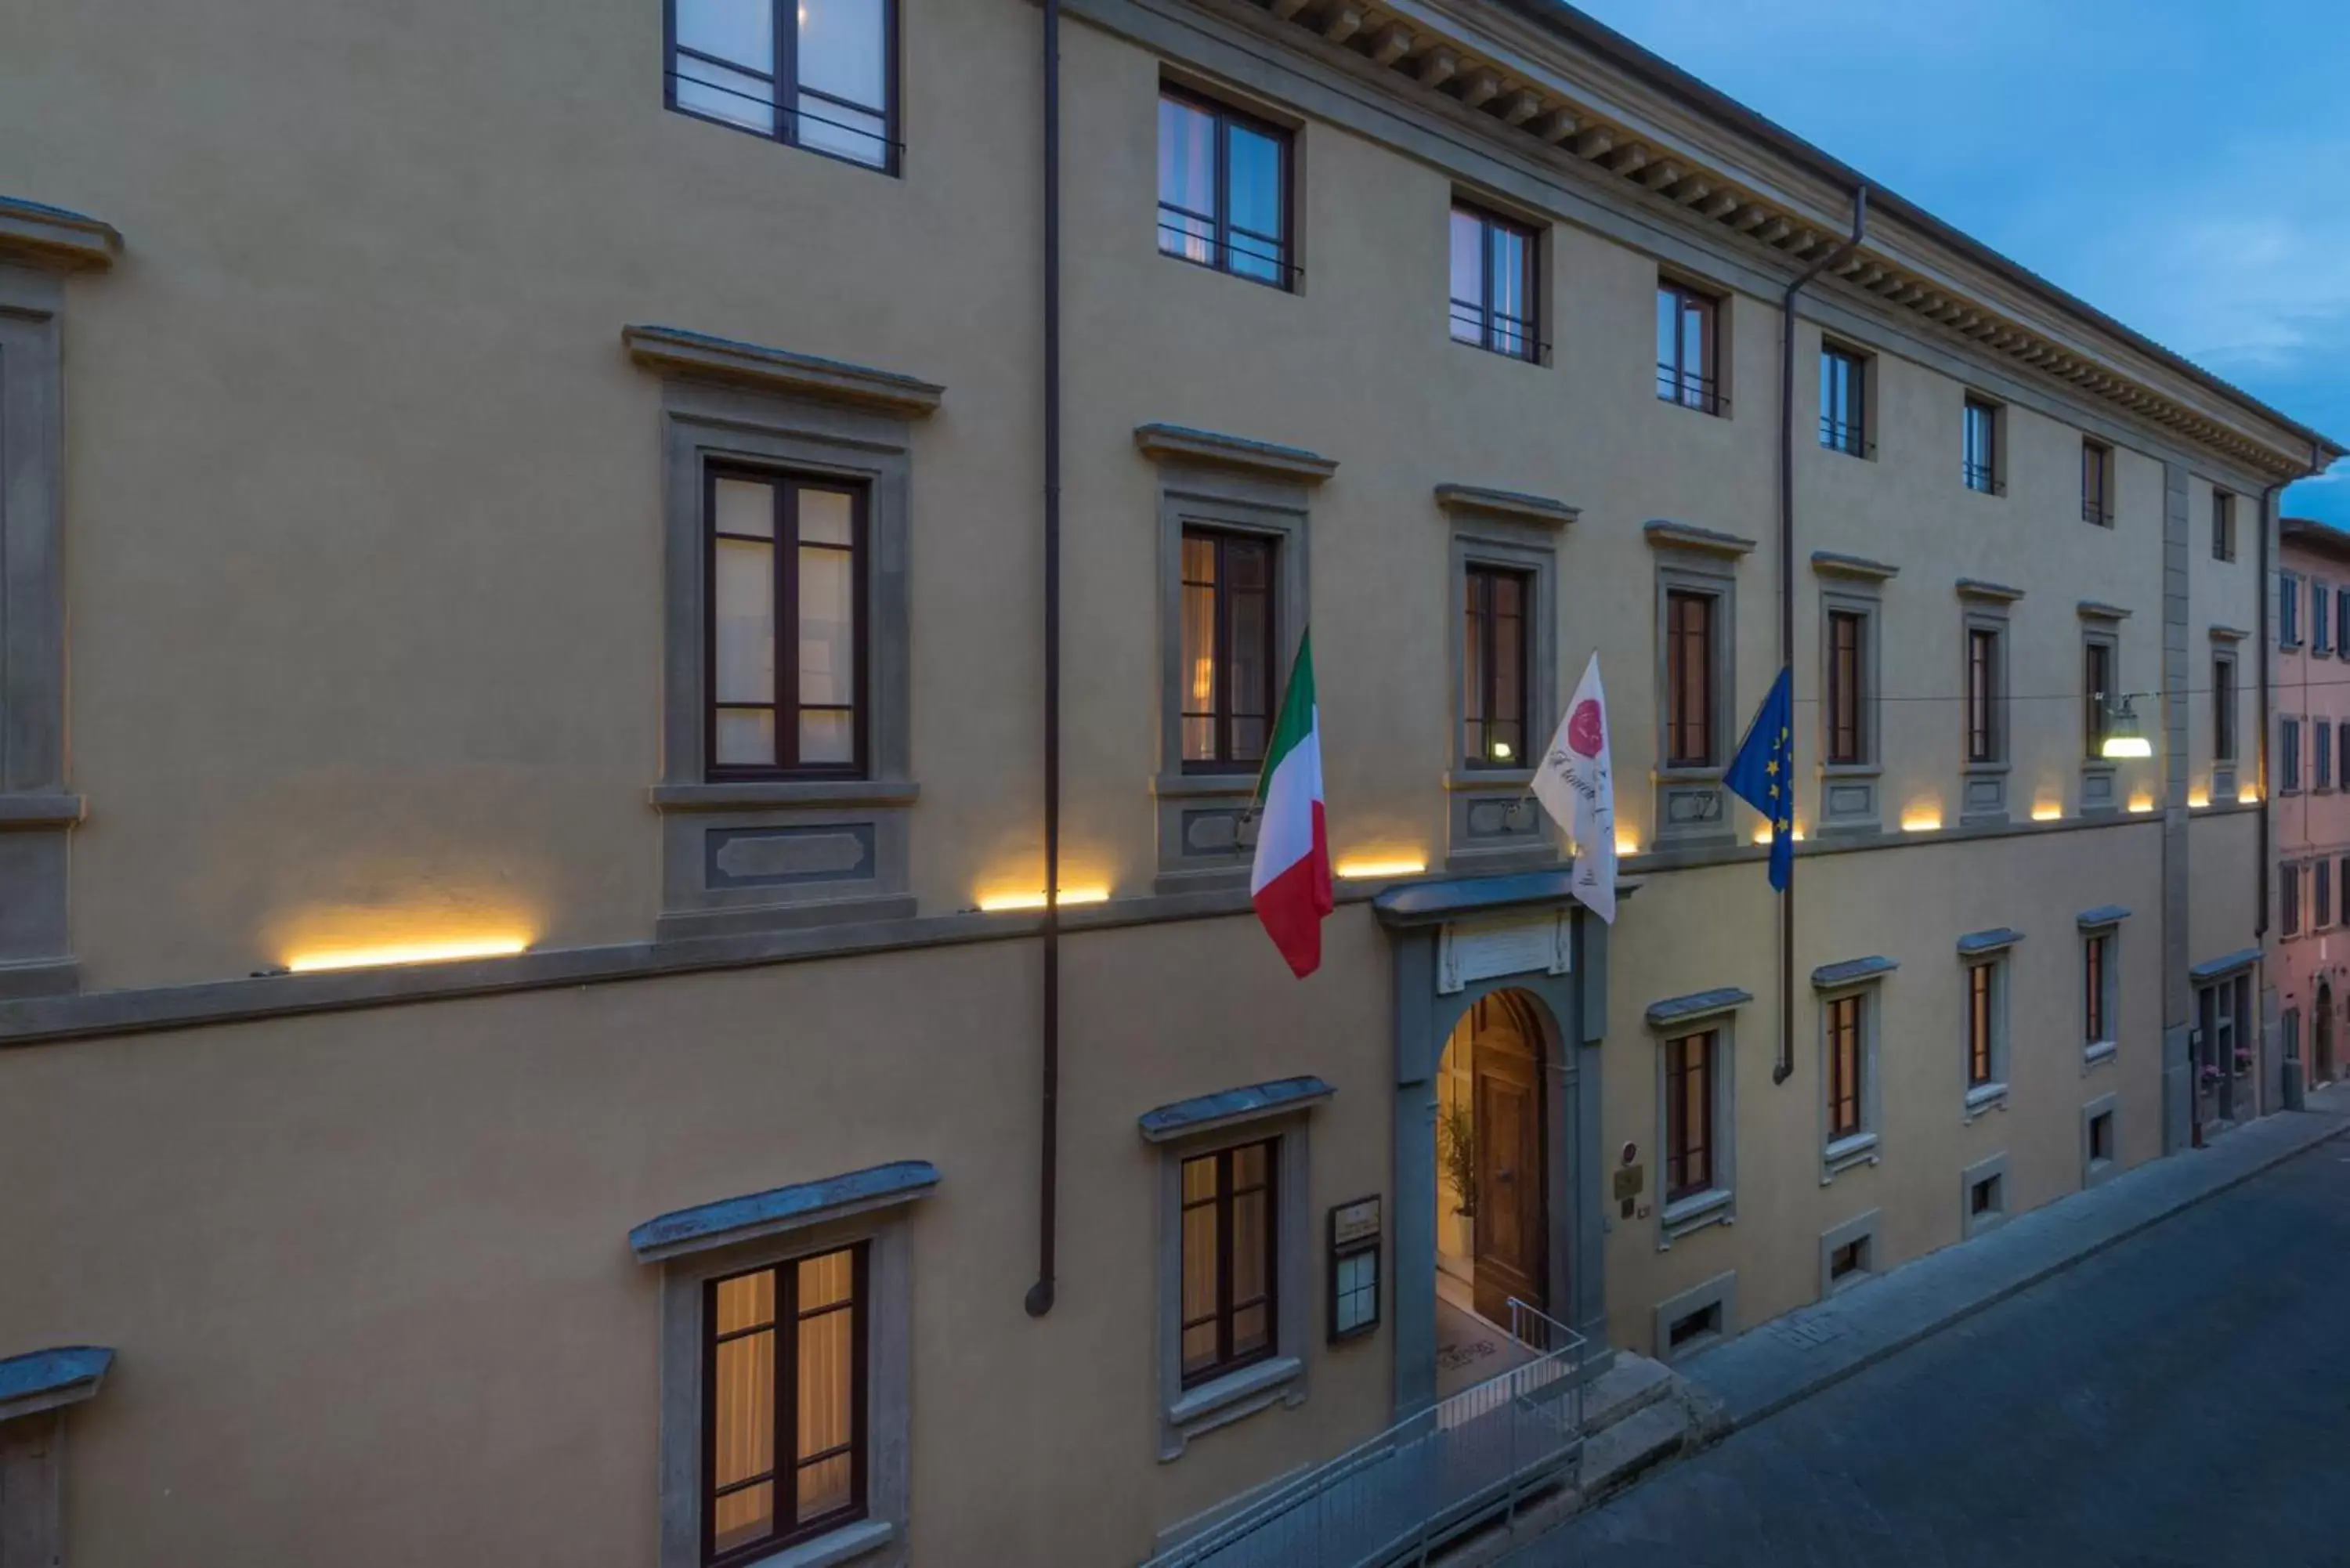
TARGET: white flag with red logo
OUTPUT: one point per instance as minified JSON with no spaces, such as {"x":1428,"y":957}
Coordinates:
{"x":1576,"y":784}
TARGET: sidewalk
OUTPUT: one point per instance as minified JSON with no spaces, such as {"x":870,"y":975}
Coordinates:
{"x":1773,"y":1365}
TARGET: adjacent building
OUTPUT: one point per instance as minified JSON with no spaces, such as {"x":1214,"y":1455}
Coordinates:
{"x":2312,"y":798}
{"x":535,"y":1029}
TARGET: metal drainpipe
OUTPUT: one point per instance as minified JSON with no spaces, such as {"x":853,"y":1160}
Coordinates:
{"x":1040,"y":1294}
{"x":1785,"y":1067}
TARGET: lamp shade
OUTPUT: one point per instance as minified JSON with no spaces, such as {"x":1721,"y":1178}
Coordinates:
{"x":2122,"y":738}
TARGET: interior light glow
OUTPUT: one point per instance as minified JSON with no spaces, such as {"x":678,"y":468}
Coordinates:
{"x":407,"y":952}
{"x":1358,"y":870}
{"x":1502,"y":752}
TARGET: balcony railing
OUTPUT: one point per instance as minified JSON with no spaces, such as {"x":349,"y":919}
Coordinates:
{"x":1689,"y":390}
{"x":1427,"y":1478}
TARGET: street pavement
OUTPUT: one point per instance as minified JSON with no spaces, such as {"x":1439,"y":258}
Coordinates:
{"x":2182,"y":1398}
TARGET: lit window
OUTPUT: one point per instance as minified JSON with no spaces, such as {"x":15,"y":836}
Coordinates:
{"x":1843,"y":401}
{"x":1223,"y":189}
{"x":1493,"y":283}
{"x":1493,"y":668}
{"x":787,"y":643}
{"x":822,"y":78}
{"x":1689,"y":352}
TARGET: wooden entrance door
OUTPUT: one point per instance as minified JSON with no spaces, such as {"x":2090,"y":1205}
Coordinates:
{"x":1507,"y":1078}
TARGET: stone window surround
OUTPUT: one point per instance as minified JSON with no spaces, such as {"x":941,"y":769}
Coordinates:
{"x":1672,"y":1019}
{"x":1989,"y":950}
{"x":2288,"y":611}
{"x":2101,"y":627}
{"x":1983,"y":786}
{"x":1870,"y":368}
{"x":1691,"y":803}
{"x":2222,"y":786}
{"x":1725,"y":304}
{"x":2288,"y":759}
{"x":1850,"y":797}
{"x":1721,"y":1291}
{"x":871,"y":1206}
{"x":1863,"y":1228}
{"x":36,"y":1389}
{"x":2321,"y":627}
{"x":1205,"y":827}
{"x":2097,"y":1172}
{"x":1971,"y":1224}
{"x":1521,"y":533}
{"x":2103,"y":921}
{"x":1860,"y":1148}
{"x":39,"y":811}
{"x":1185,"y":1414}
{"x":746,"y":404}
{"x":2321,"y":756}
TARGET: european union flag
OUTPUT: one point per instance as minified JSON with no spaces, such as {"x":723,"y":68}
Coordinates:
{"x":1763,"y":773}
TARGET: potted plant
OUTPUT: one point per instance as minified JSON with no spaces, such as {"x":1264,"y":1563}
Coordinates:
{"x":1456,"y":1147}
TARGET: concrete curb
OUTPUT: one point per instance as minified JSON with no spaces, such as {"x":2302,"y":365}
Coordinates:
{"x":1736,"y":1416}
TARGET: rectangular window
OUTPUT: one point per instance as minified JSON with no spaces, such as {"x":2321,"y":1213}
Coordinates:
{"x":1493,"y":668}
{"x":1689,"y":680}
{"x":1979,"y":445}
{"x":1983,"y":1198}
{"x":1493,"y":283}
{"x":2289,"y":756}
{"x":1844,"y":1067}
{"x":1980,"y":1066}
{"x":2223,"y":525}
{"x":2096,"y":483}
{"x":2223,"y":708}
{"x":2101,"y":1136}
{"x":2288,"y":898}
{"x":1843,"y":401}
{"x":1703,"y":1324}
{"x":2320,"y":751}
{"x":2098,"y":695}
{"x":1227,"y":650}
{"x":823,"y":77}
{"x":1847,"y":665}
{"x":2320,"y":624}
{"x":1230,"y":1253}
{"x":2341,"y":618}
{"x":2288,"y":610}
{"x":1689,"y":1114}
{"x":1223,"y":189}
{"x":1848,"y":1260}
{"x":1983,"y":695}
{"x":783,"y":1370}
{"x":1688,"y":356}
{"x":2320,"y":901}
{"x":787,"y":650}
{"x":2095,"y":953}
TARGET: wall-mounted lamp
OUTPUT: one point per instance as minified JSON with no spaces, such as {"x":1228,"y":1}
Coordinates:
{"x":2122,"y":738}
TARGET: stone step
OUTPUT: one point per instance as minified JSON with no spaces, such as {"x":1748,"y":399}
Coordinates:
{"x":1615,"y":1459}
{"x":1632,"y":1384}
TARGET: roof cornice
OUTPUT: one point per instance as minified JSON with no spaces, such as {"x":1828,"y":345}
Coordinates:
{"x":1570,"y":91}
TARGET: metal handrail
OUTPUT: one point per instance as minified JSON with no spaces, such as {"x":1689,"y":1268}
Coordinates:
{"x":1528,"y":1418}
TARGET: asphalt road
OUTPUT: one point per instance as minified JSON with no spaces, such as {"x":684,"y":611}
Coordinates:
{"x":2181,"y":1398}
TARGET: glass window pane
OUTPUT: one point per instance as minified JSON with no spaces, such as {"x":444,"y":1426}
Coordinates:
{"x":827,"y":1279}
{"x":1254,"y":209}
{"x":826,"y":517}
{"x":827,"y":737}
{"x":742,"y":591}
{"x":1248,"y":1246}
{"x":1472,"y":666}
{"x":745,"y":1420}
{"x":727,"y":95}
{"x":1199,"y":1347}
{"x":1199,"y":634}
{"x":848,"y":133}
{"x":746,"y":736}
{"x":1199,"y":1179}
{"x":1697,"y":363}
{"x":1252,"y":1330}
{"x":1199,"y":1262}
{"x":1468,"y":275}
{"x":746,"y":1301}
{"x":823,"y":1488}
{"x":1669,"y":328}
{"x":844,"y":47}
{"x":1249,"y":1165}
{"x":744,"y":1516}
{"x":1508,"y":294}
{"x":828,"y":631}
{"x":742,"y":31}
{"x":1187,"y":181}
{"x":1251,"y":651}
{"x":828,"y":1351}
{"x":742,"y":506}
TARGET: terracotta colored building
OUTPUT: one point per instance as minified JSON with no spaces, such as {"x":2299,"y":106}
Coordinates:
{"x":2310,"y":937}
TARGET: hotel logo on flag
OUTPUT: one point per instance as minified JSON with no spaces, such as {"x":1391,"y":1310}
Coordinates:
{"x":1576,"y":784}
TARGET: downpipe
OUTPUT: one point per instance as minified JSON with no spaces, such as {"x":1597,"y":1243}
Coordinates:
{"x":1048,"y":1162}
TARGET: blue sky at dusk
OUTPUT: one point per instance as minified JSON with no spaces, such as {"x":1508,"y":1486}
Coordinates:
{"x":2184,"y":165}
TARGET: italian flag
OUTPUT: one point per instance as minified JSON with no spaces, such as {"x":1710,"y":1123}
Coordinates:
{"x":1290,"y":882}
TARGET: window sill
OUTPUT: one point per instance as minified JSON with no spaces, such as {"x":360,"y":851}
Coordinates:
{"x":1695,"y":1212}
{"x":757,"y":795}
{"x":1983,"y":1096}
{"x":1852,"y":770}
{"x":1516,"y":781}
{"x":1688,"y":775}
{"x":846,"y":1545}
{"x":2099,"y":1052}
{"x":1236,"y":1394}
{"x":1977,"y":770}
{"x":1176,"y":786}
{"x":1845,"y":1153}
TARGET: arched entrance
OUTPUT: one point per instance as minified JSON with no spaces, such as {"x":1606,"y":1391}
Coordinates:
{"x":2321,"y":1036}
{"x":1492,"y":1165}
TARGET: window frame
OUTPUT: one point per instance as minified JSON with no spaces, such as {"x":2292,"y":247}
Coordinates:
{"x":784,"y":76}
{"x":2097,"y":698}
{"x":1226,"y":1309}
{"x":2223,"y":707}
{"x":2321,"y":756}
{"x":1861,"y":1233}
{"x":1702,"y":390}
{"x":1224,"y":713}
{"x":1983,"y":477}
{"x":2342,"y":621}
{"x":1716,"y":1202}
{"x":1676,"y":672}
{"x":1848,"y":435}
{"x":1847,"y":742}
{"x":2288,"y":609}
{"x":2288,"y":898}
{"x":2223,"y":524}
{"x":1225,"y":116}
{"x":1678,"y":1148}
{"x":2098,"y":1168}
{"x":1843,"y":1145}
{"x":1489,"y":222}
{"x":1476,"y":610}
{"x":2321,"y":623}
{"x":2321,"y":893}
{"x":786,"y":1462}
{"x":1987,"y":978}
{"x":1491,"y":822}
{"x":2101,"y":992}
{"x":2097,"y":468}
{"x":2289,"y":753}
{"x":1991,"y":726}
{"x":1993,"y":1170}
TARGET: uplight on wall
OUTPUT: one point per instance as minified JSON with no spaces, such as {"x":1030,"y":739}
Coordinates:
{"x":1358,"y":870}
{"x":1627,"y":843}
{"x":2047,"y":814}
{"x":1922,"y":819}
{"x":997,"y":903}
{"x":2141,"y":802}
{"x":443,"y":952}
{"x":2198,"y":799}
{"x":2248,"y":795}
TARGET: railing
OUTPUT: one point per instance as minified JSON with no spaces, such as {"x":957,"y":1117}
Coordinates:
{"x":1429,"y":1477}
